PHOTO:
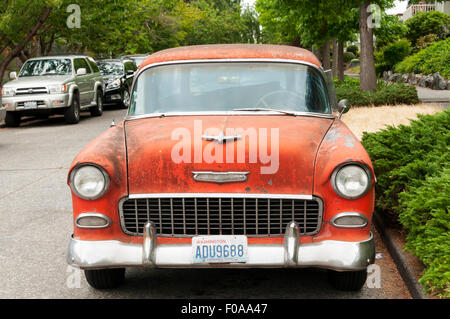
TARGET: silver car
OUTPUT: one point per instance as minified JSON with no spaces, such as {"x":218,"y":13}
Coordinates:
{"x":54,"y":85}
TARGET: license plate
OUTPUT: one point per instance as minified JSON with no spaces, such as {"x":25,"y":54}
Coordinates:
{"x":219,"y":249}
{"x":30,"y":105}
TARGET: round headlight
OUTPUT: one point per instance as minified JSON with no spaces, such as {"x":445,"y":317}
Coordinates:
{"x":89,"y":182}
{"x":351,"y":181}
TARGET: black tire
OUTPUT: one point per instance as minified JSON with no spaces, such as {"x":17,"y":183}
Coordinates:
{"x":125,"y":95}
{"x":347,"y":280}
{"x":98,"y":109}
{"x":105,"y":278}
{"x":12,"y":119}
{"x":72,"y":114}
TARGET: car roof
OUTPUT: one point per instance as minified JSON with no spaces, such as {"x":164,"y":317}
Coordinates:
{"x":232,"y":51}
{"x":121,"y":60}
{"x":60,"y":56}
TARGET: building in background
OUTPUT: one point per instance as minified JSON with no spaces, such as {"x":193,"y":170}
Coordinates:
{"x":413,"y":9}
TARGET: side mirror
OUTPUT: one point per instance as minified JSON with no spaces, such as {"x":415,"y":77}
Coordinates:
{"x":343,"y":107}
{"x":13,"y":76}
{"x":81,"y":71}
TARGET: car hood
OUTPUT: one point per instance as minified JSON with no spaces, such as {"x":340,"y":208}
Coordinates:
{"x":164,"y":152}
{"x":38,"y":81}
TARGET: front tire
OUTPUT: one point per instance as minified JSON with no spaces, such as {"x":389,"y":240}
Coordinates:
{"x":347,"y":280}
{"x":72,"y":114}
{"x":105,"y":278}
{"x":125,"y":101}
{"x":12,"y":119}
{"x":98,"y":109}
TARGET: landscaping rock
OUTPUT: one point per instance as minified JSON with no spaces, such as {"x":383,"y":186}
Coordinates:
{"x":448,"y":84}
{"x":422,"y":81}
{"x":429,"y":80}
{"x":438,"y":82}
{"x":405,"y":78}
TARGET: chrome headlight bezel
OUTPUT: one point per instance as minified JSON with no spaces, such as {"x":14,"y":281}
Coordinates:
{"x":105,"y":175}
{"x":364,"y":168}
{"x":57,"y":88}
{"x":8,"y":91}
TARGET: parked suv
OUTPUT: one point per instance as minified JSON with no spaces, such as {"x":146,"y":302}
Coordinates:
{"x":54,"y":85}
{"x":118,"y":76}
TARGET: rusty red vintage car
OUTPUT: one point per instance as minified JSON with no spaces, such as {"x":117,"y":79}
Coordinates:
{"x":230,"y":156}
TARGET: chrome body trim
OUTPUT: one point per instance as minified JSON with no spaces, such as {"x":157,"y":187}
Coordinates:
{"x":205,"y":113}
{"x":104,"y":217}
{"x":228,"y":177}
{"x":328,"y":254}
{"x":350,"y":214}
{"x":218,"y":195}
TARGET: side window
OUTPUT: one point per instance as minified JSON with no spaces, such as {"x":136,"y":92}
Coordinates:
{"x":81,"y":63}
{"x":93,"y":65}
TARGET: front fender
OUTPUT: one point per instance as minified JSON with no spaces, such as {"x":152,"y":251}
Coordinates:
{"x":341,"y":146}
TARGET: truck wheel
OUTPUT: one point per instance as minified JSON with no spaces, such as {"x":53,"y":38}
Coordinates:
{"x":12,"y":119}
{"x":98,"y":109}
{"x":347,"y":280}
{"x":72,"y":114}
{"x":105,"y":278}
{"x":125,"y":102}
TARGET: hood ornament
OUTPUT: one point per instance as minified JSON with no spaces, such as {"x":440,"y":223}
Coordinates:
{"x":221,"y":138}
{"x":220,"y":177}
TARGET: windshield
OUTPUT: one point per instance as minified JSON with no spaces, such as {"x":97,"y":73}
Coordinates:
{"x":110,"y":68}
{"x":46,"y":67}
{"x":227,"y":86}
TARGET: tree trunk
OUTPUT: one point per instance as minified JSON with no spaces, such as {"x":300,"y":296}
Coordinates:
{"x":325,"y":55}
{"x":341,"y":61}
{"x":335,"y":58}
{"x":368,"y":75}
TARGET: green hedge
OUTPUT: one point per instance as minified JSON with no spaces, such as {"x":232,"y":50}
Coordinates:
{"x":385,"y":94}
{"x":435,"y":58}
{"x":412,"y":165}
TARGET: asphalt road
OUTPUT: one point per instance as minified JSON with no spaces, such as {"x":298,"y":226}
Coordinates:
{"x":36,"y":222}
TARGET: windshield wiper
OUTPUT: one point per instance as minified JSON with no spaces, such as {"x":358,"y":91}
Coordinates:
{"x":258,"y":109}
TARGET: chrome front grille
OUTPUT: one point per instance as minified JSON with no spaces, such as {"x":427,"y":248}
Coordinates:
{"x":186,"y":216}
{"x":33,"y":90}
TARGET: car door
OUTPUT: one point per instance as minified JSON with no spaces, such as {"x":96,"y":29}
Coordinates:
{"x":83,"y":81}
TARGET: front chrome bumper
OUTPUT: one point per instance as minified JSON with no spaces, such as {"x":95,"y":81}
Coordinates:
{"x":48,"y":101}
{"x":329,"y":254}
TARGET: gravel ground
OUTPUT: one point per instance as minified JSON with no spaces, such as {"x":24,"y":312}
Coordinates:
{"x":372,"y":119}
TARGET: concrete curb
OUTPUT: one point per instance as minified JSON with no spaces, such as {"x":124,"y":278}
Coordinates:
{"x":414,"y":287}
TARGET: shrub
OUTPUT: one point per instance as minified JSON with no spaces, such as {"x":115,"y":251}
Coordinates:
{"x":413,"y":182}
{"x":396,"y":52}
{"x":348,"y":56}
{"x":385,"y":94}
{"x":435,"y":58}
{"x":353,"y":49}
{"x":424,"y":23}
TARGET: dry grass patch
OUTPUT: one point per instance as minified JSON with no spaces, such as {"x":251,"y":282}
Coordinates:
{"x":371,"y":119}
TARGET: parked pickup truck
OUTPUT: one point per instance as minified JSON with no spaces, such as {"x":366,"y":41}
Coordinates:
{"x":54,"y":85}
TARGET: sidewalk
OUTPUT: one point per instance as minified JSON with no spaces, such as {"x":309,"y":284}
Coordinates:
{"x":433,"y":96}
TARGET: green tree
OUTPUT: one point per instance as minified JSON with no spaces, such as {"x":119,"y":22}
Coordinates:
{"x":425,"y":23}
{"x":391,"y":30}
